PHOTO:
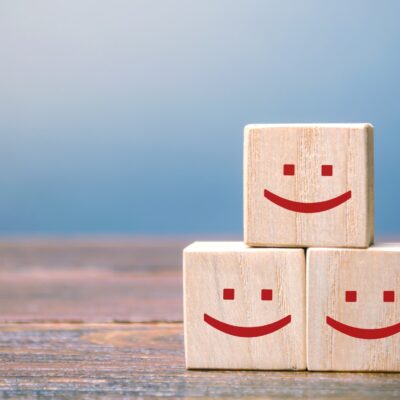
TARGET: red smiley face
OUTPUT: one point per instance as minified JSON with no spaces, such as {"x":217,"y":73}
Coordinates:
{"x":365,"y":333}
{"x":301,"y":207}
{"x":242,"y":331}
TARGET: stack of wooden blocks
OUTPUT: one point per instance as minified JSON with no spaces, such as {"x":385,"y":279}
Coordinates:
{"x":305,"y":290}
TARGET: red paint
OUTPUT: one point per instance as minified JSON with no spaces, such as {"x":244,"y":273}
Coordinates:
{"x":351,"y":296}
{"x":363,"y":333}
{"x":326,"y":170}
{"x":229,"y":294}
{"x":388,"y":296}
{"x":288,"y":169}
{"x":243,"y":331}
{"x":300,"y":207}
{"x":266,"y":294}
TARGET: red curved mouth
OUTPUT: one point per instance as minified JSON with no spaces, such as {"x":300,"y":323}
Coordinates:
{"x":242,"y":331}
{"x":362,"y":333}
{"x":298,"y":206}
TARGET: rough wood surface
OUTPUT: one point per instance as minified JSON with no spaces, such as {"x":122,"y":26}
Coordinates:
{"x":91,"y":280}
{"x":112,"y":360}
{"x":116,"y":360}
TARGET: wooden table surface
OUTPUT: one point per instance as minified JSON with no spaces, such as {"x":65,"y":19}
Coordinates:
{"x":84,"y":318}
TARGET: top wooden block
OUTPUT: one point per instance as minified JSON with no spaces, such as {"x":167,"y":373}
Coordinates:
{"x":308,"y":185}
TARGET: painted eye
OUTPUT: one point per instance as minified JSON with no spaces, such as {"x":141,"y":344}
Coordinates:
{"x":326,"y":170}
{"x":388,"y":296}
{"x":229,"y":294}
{"x":266,"y":294}
{"x":288,"y":169}
{"x":351,"y":296}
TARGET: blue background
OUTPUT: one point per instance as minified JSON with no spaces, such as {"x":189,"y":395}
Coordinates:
{"x":127,"y":116}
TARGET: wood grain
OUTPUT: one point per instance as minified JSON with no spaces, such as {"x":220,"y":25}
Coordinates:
{"x":83,"y":280}
{"x":348,"y":148}
{"x":91,"y":280}
{"x":146,"y":360}
{"x":368,"y":272}
{"x":132,"y":254}
{"x":209,"y":268}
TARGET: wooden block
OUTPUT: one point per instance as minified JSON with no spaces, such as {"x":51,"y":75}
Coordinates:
{"x":308,"y":185}
{"x":353,"y":309}
{"x":244,"y":308}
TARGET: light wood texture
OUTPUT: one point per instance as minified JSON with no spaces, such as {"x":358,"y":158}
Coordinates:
{"x":209,"y":268}
{"x":86,"y":361}
{"x":347,"y":147}
{"x":370,"y":272}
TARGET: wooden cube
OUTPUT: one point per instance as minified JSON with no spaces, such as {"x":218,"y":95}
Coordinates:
{"x":308,"y":185}
{"x":244,"y":308}
{"x":353,"y":309}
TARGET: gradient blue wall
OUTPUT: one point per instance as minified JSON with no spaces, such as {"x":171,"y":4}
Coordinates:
{"x":127,"y":116}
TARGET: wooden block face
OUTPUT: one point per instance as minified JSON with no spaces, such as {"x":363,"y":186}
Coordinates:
{"x":353,"y":309}
{"x":244,"y":308}
{"x":308,"y":185}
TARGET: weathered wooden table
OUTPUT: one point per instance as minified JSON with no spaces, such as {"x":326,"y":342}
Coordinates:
{"x":103,"y":318}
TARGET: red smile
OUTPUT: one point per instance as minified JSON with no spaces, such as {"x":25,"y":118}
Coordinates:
{"x":242,"y":331}
{"x":362,"y":333}
{"x":298,"y":206}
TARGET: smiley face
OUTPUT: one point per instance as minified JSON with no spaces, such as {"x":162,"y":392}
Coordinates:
{"x":308,"y":185}
{"x":353,"y":313}
{"x":247,"y":331}
{"x":244,"y":308}
{"x":303,"y":207}
{"x":365,"y":333}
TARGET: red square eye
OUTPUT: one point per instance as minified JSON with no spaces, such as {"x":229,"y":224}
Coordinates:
{"x":388,"y":296}
{"x":288,"y":169}
{"x":351,"y":296}
{"x":266,"y":294}
{"x":326,"y":170}
{"x":229,"y":294}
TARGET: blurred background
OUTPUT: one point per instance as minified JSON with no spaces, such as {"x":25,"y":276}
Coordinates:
{"x":127,"y":116}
